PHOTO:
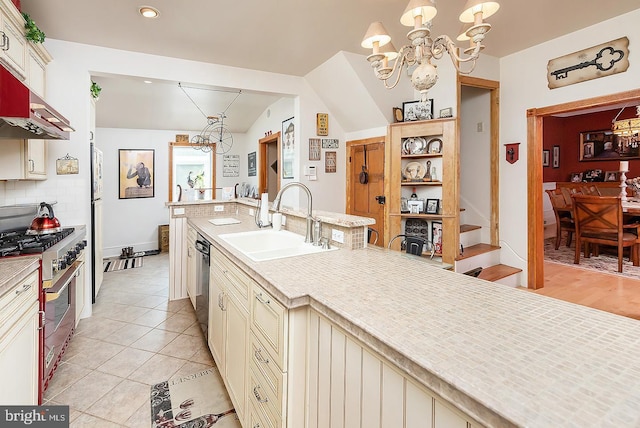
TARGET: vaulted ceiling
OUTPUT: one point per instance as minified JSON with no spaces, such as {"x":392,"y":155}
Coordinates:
{"x":283,"y":36}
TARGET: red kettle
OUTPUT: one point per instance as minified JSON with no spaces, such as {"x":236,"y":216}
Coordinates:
{"x":45,"y":222}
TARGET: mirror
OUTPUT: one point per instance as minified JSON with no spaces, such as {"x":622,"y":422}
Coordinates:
{"x":192,"y":174}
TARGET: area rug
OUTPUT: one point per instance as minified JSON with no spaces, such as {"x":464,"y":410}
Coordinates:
{"x":195,"y":401}
{"x":603,"y":263}
{"x":111,"y":265}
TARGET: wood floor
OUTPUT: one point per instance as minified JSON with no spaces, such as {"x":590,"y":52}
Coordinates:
{"x":604,"y":291}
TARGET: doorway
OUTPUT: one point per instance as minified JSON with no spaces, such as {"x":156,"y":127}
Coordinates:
{"x":482,"y":206}
{"x":365,"y":197}
{"x":535,"y":250}
{"x":269,"y":165}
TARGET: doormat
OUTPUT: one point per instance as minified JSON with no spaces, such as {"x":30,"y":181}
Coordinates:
{"x":197,"y":400}
{"x":111,"y":265}
{"x":603,"y":263}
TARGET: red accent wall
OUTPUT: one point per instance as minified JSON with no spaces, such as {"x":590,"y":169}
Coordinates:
{"x":565,"y":132}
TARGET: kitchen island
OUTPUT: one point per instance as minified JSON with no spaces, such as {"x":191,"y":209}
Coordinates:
{"x":501,"y":356}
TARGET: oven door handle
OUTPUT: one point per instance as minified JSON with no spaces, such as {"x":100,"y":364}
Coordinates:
{"x":56,"y":291}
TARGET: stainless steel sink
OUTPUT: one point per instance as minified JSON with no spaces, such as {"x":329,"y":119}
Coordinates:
{"x":268,"y":244}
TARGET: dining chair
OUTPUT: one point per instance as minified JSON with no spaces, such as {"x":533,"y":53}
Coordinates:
{"x":599,"y":221}
{"x":590,"y":190}
{"x":564,"y":216}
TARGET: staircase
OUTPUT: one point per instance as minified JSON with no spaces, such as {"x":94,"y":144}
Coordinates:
{"x":476,"y":254}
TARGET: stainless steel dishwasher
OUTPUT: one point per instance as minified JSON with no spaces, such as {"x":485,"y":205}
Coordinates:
{"x":202,"y":283}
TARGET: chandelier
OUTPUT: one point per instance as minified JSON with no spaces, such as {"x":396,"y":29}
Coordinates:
{"x":422,"y":47}
{"x":627,"y":127}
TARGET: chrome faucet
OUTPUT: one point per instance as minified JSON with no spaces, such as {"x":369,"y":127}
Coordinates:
{"x":276,"y":206}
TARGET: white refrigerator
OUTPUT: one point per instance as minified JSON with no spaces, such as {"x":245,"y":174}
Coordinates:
{"x":97,"y":271}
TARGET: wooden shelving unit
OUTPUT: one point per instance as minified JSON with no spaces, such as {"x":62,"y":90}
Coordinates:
{"x":446,"y":188}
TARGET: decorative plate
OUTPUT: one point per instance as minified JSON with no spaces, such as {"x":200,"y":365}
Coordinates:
{"x":414,"y":146}
{"x":434,"y":146}
{"x":414,"y":171}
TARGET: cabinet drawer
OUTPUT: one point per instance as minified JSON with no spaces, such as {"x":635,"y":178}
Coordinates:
{"x":25,"y":292}
{"x":261,"y":361}
{"x":263,"y":400}
{"x":257,"y":419}
{"x":238,"y":283}
{"x":192,"y":235}
{"x":269,"y":322}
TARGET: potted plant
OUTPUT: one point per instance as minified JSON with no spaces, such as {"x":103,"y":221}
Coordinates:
{"x":33,"y":33}
{"x":95,"y":90}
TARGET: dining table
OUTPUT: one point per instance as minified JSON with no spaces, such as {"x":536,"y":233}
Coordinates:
{"x":631,"y":206}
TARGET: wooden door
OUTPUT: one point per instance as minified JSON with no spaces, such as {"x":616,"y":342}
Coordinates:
{"x":269,"y":165}
{"x":367,"y":200}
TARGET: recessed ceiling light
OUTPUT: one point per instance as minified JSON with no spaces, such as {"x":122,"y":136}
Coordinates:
{"x":147,"y":81}
{"x":149,"y":12}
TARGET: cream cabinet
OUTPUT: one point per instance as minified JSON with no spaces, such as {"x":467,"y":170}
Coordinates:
{"x":192,"y":257}
{"x":19,"y":332}
{"x":229,"y":328}
{"x":23,"y":160}
{"x":178,"y":256}
{"x":350,"y":385}
{"x":13,"y":45}
{"x":80,"y":289}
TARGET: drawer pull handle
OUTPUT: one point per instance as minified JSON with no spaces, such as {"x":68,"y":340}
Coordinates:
{"x":257,"y":394}
{"x":25,"y":287}
{"x":5,"y":41}
{"x":43,"y":320}
{"x":262,"y":299}
{"x":257,"y":425}
{"x":221,"y":301}
{"x":259,"y":357}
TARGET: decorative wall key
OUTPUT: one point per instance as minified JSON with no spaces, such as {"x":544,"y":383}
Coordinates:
{"x":604,"y":60}
{"x":598,"y":61}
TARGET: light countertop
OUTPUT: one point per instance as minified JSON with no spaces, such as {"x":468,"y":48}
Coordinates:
{"x":503,"y":355}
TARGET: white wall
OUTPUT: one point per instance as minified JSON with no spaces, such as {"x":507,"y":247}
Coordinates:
{"x":523,"y":85}
{"x":475,"y":159}
{"x":134,"y":222}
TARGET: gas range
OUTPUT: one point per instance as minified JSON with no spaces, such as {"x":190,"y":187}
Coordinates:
{"x":58,"y":250}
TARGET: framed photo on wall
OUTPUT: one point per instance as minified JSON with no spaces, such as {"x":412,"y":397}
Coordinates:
{"x":136,"y":173}
{"x":545,"y":158}
{"x":330,"y":162}
{"x":604,"y":144}
{"x":314,"y":149}
{"x":556,"y":156}
{"x":288,"y":147}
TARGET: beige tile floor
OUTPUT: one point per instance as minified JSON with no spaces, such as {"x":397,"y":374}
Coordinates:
{"x":135,"y":338}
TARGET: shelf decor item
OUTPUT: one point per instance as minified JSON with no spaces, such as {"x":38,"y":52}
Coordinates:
{"x":417,"y":110}
{"x":436,"y":236}
{"x":432,"y":206}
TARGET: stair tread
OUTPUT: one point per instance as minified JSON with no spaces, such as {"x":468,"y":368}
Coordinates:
{"x":468,"y":227}
{"x":474,"y":250}
{"x":496,"y":272}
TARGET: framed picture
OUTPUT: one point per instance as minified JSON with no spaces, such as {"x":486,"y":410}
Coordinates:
{"x":556,"y":156}
{"x":436,"y":236}
{"x":576,"y":177}
{"x":322,"y":124}
{"x":314,"y":149}
{"x":432,"y":206}
{"x":288,"y":147}
{"x":434,"y":146}
{"x":417,"y":110}
{"x":545,"y":158}
{"x":446,"y":112}
{"x":251,"y":160}
{"x":612,"y":176}
{"x":604,"y":144}
{"x":330,"y":161}
{"x":330,"y":143}
{"x":136,"y":173}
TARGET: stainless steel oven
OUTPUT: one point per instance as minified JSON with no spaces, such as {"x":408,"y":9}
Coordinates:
{"x":202,"y":283}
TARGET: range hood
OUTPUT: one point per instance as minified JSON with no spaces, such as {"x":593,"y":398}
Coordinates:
{"x":24,"y":115}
